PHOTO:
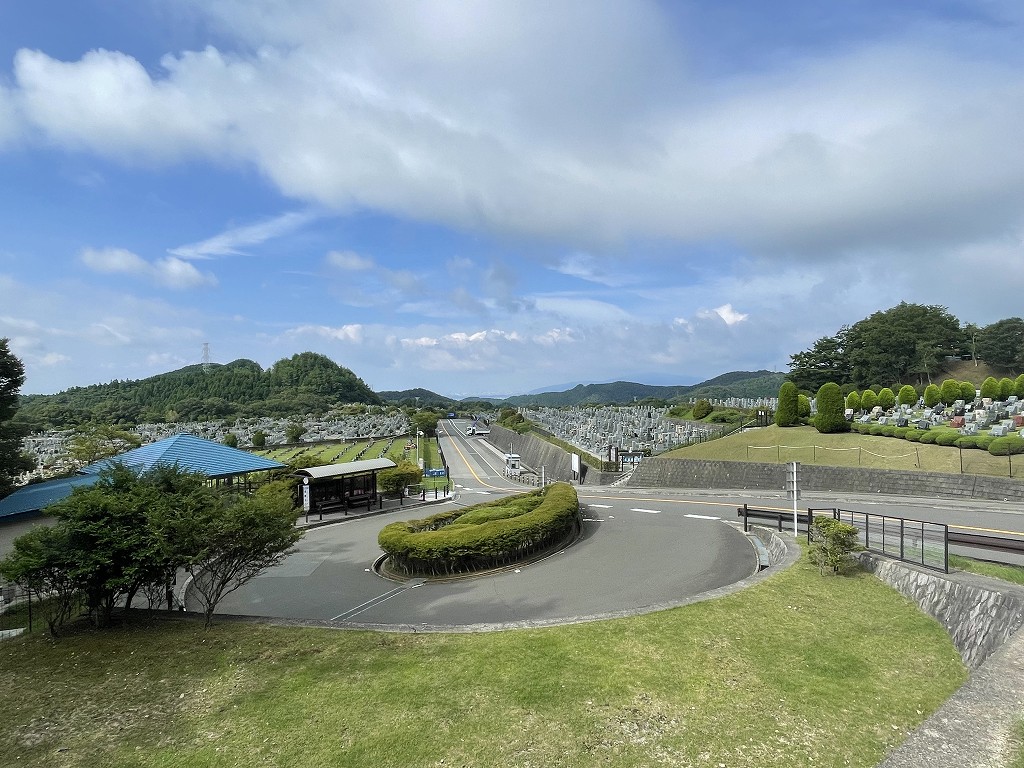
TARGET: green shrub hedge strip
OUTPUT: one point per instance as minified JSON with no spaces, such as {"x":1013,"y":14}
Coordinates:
{"x":484,"y":536}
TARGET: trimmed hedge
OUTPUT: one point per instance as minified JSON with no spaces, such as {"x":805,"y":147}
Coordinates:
{"x":484,"y":536}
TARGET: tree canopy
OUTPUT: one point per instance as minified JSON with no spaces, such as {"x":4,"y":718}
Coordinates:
{"x":12,"y":460}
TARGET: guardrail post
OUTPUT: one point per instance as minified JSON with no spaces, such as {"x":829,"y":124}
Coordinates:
{"x":902,"y":550}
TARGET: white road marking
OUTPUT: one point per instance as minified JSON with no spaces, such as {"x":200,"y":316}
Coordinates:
{"x":599,"y":506}
{"x":648,"y":511}
{"x":703,"y":517}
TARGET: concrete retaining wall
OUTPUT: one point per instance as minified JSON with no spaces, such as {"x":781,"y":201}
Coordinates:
{"x":777,"y":547}
{"x":536,"y":452}
{"x":697,"y":473}
{"x":979,"y":614}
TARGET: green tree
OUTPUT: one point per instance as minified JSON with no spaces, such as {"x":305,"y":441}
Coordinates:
{"x":93,"y":442}
{"x":908,"y":395}
{"x":788,"y":411}
{"x":425,"y":421}
{"x":950,"y":391}
{"x":853,"y":401}
{"x":908,"y":338}
{"x":701,"y":409}
{"x":826,"y":360}
{"x":832,"y":542}
{"x":886,"y":398}
{"x":968,"y":391}
{"x":393,"y":481}
{"x":39,"y":563}
{"x":231,"y":440}
{"x":12,"y":460}
{"x":932,"y":396}
{"x":1018,"y":387}
{"x":1001,"y":344}
{"x":868,"y":400}
{"x":990,"y":388}
{"x":293,"y":432}
{"x":235,"y":542}
{"x":830,"y":417}
{"x":259,"y":439}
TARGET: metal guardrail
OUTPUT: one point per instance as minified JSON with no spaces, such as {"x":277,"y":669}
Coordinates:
{"x":912,"y":541}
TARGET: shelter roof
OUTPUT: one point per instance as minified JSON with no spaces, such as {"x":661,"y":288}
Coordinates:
{"x":347,"y":468}
{"x":192,"y":453}
{"x":31,"y":498}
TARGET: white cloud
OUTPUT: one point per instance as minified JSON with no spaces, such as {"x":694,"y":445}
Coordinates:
{"x":232,"y":241}
{"x":349,"y":333}
{"x":349,"y":261}
{"x":725,"y":313}
{"x":114,"y":260}
{"x":170,"y":272}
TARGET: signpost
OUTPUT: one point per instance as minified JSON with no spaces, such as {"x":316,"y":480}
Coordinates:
{"x":793,"y":491}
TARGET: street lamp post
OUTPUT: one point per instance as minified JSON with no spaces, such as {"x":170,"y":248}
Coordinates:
{"x":419,"y":459}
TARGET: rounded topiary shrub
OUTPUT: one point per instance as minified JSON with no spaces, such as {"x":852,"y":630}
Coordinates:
{"x":860,"y":429}
{"x":886,"y":398}
{"x":932,"y":396}
{"x":946,"y":438}
{"x":929,"y":437}
{"x":484,"y":536}
{"x":900,"y":432}
{"x":877,"y":429}
{"x":889,"y":430}
{"x":831,"y":405}
{"x":914,"y":435}
{"x":983,"y":441}
{"x":787,"y":414}
{"x":966,"y":441}
{"x":950,"y":391}
{"x":968,"y":392}
{"x":908,"y":395}
{"x":868,"y":400}
{"x":853,"y":401}
{"x":990,"y":388}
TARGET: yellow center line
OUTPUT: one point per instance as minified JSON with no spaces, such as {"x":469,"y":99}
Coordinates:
{"x":465,"y":461}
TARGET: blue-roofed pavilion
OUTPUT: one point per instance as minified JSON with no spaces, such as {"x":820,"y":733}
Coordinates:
{"x":217,"y":461}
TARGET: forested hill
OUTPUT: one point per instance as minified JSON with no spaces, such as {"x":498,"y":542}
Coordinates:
{"x":304,"y":383}
{"x":752,"y":384}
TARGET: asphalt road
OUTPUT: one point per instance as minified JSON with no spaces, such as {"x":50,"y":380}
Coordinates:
{"x":635,"y":553}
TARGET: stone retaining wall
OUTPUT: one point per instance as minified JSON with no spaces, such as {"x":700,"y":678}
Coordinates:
{"x":777,"y":547}
{"x":979,"y":614}
{"x":699,"y":473}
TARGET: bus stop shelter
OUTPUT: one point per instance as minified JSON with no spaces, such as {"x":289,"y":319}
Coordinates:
{"x":340,"y":487}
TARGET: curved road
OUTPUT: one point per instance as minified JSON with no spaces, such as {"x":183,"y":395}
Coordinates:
{"x":641,"y":549}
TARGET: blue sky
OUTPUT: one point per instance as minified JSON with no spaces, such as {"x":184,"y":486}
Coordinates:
{"x":486,"y":198}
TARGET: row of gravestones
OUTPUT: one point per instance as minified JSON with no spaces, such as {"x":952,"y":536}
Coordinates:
{"x":1000,"y":417}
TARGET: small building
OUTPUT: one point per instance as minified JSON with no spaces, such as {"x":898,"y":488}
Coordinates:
{"x":339,"y":487}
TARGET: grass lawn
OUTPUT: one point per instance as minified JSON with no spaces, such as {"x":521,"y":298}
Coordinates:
{"x":800,"y":670}
{"x":808,"y":446}
{"x":1011,"y":573}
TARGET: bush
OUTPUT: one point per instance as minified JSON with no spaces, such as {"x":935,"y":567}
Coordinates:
{"x":861,"y":429}
{"x":1006,"y":387}
{"x":876,"y":429}
{"x":803,"y":406}
{"x":701,"y":409}
{"x":947,"y":437}
{"x":950,"y":391}
{"x":968,"y":392}
{"x":886,"y":398}
{"x":788,"y":411}
{"x":932,"y":396}
{"x":914,"y":435}
{"x":868,"y":400}
{"x":488,"y":535}
{"x":1011,"y":445}
{"x":853,"y":401}
{"x":889,"y":430}
{"x":900,"y":432}
{"x":392,"y":481}
{"x":908,"y":395}
{"x":929,"y":437}
{"x":832,"y":541}
{"x":966,"y":441}
{"x":830,"y":417}
{"x":990,"y":388}
{"x":983,"y":441}
{"x":1018,"y":387}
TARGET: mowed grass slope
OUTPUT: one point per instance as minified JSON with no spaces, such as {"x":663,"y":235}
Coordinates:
{"x":808,"y":446}
{"x":800,"y":670}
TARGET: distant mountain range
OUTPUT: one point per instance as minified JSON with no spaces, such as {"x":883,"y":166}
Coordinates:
{"x":752,"y":384}
{"x":312,"y":383}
